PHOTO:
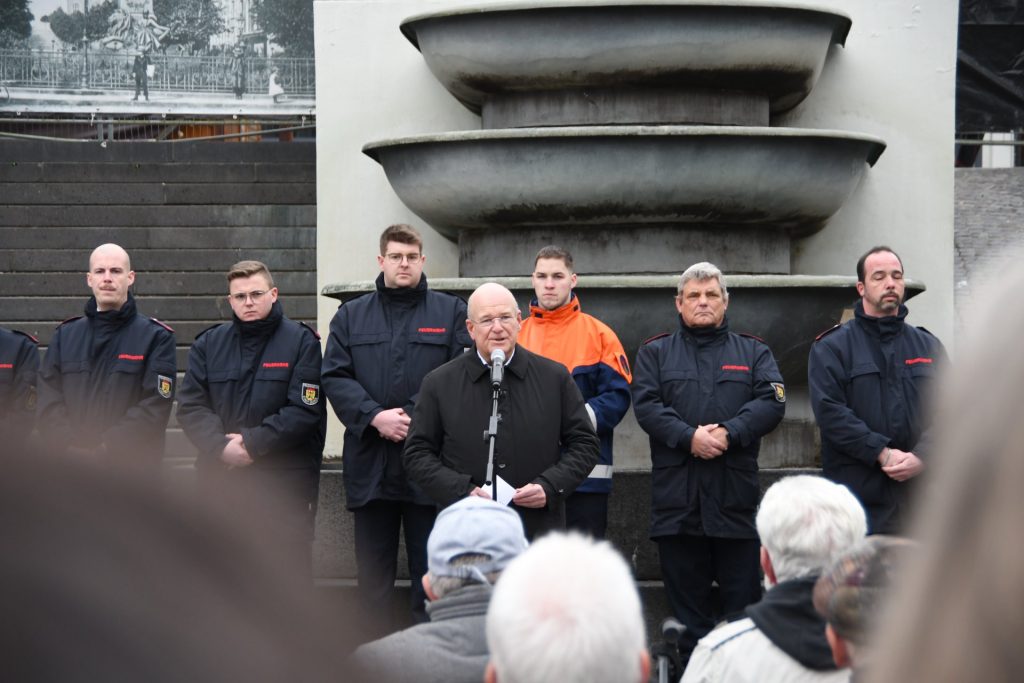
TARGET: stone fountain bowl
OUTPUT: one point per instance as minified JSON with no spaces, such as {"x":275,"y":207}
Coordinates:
{"x":787,"y":311}
{"x":485,"y":54}
{"x":626,"y":176}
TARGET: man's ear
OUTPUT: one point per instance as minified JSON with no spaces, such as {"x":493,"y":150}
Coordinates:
{"x":840,"y":652}
{"x":490,"y":675}
{"x":766,"y":565}
{"x":645,"y":666}
{"x":427,"y":587}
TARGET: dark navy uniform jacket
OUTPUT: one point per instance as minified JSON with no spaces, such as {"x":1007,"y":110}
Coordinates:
{"x":274,"y":401}
{"x":108,"y":378}
{"x":381,"y":347}
{"x":702,"y":376}
{"x":19,"y":362}
{"x":869,"y":381}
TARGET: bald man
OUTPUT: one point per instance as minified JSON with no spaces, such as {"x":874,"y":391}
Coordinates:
{"x":107,"y":383}
{"x":545,"y":445}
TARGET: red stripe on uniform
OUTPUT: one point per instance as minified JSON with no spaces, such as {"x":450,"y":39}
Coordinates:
{"x":128,"y":356}
{"x":6,"y":366}
{"x":915,"y":361}
{"x":741,"y":368}
{"x":275,"y":365}
{"x":433,"y":330}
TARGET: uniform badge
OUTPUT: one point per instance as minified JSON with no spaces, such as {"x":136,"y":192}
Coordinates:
{"x":780,"y":391}
{"x":310,"y":394}
{"x":164,"y":385}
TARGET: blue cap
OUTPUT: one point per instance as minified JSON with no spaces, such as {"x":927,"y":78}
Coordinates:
{"x":479,"y":526}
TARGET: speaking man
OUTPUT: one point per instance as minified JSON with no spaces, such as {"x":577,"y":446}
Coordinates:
{"x":250,"y":402}
{"x":545,"y":444}
{"x":559,"y":330}
{"x":870,"y":380}
{"x":706,"y":396}
{"x":381,"y":346}
{"x":107,"y":382}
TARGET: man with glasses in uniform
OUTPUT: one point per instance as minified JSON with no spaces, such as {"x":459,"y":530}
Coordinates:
{"x":250,"y":403}
{"x":381,"y":346}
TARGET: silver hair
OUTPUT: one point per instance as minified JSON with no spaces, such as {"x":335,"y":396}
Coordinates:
{"x":566,"y":610}
{"x":806,"y":522}
{"x":703,"y":271}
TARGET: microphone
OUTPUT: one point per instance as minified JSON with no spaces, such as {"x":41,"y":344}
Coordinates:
{"x":497,"y":367}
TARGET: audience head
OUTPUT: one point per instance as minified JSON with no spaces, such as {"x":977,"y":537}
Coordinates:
{"x":472,"y":541}
{"x":805,"y":523}
{"x":852,"y":593}
{"x":567,"y":610}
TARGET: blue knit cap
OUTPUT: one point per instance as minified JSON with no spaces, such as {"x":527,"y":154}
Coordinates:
{"x":479,"y":526}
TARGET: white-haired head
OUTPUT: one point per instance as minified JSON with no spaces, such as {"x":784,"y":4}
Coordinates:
{"x":567,"y":611}
{"x":805,"y":523}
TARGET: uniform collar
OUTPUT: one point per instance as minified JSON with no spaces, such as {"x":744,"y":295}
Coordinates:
{"x":885,"y":327}
{"x":566,"y":311}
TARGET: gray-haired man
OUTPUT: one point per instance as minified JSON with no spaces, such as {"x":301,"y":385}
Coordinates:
{"x":473,"y":540}
{"x":706,"y":396}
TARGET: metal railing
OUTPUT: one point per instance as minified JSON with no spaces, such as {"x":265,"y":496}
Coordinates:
{"x":106,"y":70}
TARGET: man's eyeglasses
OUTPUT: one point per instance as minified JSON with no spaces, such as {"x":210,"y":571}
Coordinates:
{"x":398,"y":258}
{"x":241,"y":298}
{"x":505,"y":320}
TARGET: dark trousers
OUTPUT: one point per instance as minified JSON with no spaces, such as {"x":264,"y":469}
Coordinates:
{"x":377,"y":527}
{"x":689,"y":564}
{"x":587,"y":512}
{"x":141,"y":84}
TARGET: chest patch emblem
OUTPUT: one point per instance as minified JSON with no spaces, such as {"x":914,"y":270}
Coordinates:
{"x":780,"y":391}
{"x":310,"y":394}
{"x":164,"y":385}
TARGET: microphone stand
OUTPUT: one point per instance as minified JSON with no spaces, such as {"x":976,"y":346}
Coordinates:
{"x":489,"y":435}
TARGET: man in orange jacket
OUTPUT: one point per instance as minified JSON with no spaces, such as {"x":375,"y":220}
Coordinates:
{"x":559,"y":330}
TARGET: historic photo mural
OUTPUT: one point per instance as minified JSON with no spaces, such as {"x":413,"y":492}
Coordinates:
{"x":194,"y":57}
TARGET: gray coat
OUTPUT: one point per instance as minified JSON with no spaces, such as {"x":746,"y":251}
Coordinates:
{"x":450,"y":648}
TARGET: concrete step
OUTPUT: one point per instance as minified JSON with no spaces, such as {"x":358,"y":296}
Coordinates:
{"x":132,"y":238}
{"x":139,"y":172}
{"x":152,"y":260}
{"x":299,"y":151}
{"x":208,"y":215}
{"x":189,"y":193}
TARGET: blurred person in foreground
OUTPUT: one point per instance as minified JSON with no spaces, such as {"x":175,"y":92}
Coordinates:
{"x":958,"y":610}
{"x":108,"y":576}
{"x":106,"y":385}
{"x":472,"y":542}
{"x":852,"y":594}
{"x":567,"y":611}
{"x":251,"y":404}
{"x":805,"y":523}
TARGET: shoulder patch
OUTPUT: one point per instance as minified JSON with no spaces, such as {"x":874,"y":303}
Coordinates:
{"x":311,"y":329}
{"x":69,"y":320}
{"x":828,"y":331}
{"x":655,"y":337}
{"x":163,"y":325}
{"x":26,"y":334}
{"x":752,"y":336}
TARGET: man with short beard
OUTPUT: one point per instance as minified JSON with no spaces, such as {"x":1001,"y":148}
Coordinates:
{"x":106,"y":385}
{"x":870,"y":379}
